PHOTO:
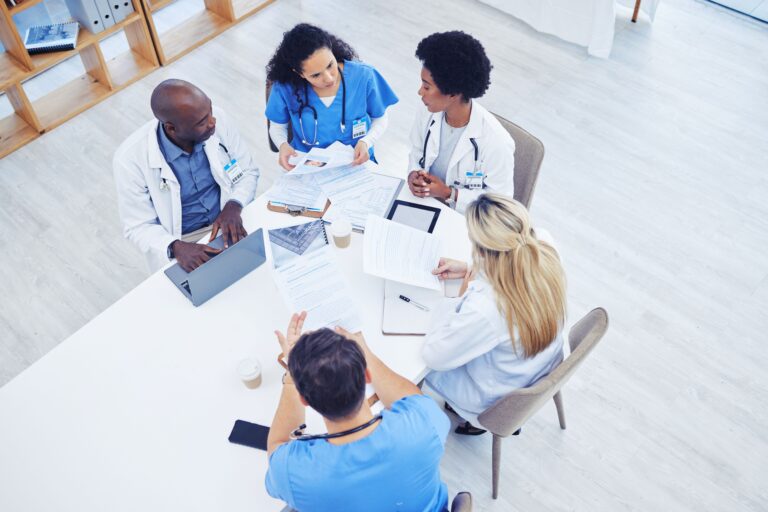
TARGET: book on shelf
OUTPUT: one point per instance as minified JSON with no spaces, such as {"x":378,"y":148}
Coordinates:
{"x":57,"y":37}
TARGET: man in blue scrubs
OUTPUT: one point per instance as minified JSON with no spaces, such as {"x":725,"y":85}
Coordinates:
{"x":366,"y":462}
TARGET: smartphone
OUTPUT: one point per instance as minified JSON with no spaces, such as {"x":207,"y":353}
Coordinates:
{"x":249,"y":434}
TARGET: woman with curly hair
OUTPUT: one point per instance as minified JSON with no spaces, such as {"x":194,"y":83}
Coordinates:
{"x":458,"y":148}
{"x":326,"y":94}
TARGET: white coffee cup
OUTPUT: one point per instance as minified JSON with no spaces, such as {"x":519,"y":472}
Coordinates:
{"x":341,"y":229}
{"x":250,"y":372}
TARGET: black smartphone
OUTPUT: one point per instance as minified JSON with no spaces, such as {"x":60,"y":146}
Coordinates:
{"x":249,"y":434}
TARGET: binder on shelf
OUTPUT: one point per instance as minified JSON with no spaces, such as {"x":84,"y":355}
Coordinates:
{"x":104,"y":12}
{"x":58,"y":37}
{"x":120,"y":9}
{"x":87,"y":14}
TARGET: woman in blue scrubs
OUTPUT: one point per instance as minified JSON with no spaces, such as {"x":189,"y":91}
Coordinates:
{"x":326,"y":94}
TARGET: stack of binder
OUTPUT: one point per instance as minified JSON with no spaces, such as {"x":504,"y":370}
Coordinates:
{"x":97,"y":15}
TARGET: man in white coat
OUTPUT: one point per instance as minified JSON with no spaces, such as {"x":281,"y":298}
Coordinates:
{"x":182,"y":175}
{"x":458,"y":149}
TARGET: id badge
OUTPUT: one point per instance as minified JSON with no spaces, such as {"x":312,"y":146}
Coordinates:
{"x":234,"y":171}
{"x":359,"y":128}
{"x":475,"y":180}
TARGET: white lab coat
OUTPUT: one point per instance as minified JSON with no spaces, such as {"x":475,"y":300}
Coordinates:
{"x":151,"y":217}
{"x":468,"y":348}
{"x":496,"y":152}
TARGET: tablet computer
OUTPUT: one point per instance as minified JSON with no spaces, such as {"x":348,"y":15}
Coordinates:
{"x":415,"y":215}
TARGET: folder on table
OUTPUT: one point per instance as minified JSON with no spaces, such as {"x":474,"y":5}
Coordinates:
{"x":87,"y":14}
{"x":221,"y":271}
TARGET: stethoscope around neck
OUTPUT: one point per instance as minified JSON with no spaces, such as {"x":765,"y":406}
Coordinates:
{"x":164,"y":182}
{"x":299,"y":434}
{"x":423,"y":158}
{"x":302,"y":106}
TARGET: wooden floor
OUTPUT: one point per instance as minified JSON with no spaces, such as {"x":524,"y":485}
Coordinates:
{"x":655,"y":185}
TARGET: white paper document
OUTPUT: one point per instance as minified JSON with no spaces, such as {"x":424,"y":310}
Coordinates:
{"x":400,"y":253}
{"x":376,"y":201}
{"x":311,"y":281}
{"x":321,"y":159}
{"x":297,"y":190}
{"x":346,"y":183}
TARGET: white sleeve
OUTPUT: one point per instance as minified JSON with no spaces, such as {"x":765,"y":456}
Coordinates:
{"x":460,"y":332}
{"x":378,"y":127}
{"x":244,"y":190}
{"x":279,"y":133}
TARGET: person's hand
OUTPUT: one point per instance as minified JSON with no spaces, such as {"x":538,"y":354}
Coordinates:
{"x":286,"y":152}
{"x":190,"y":256}
{"x":428,"y":185}
{"x":361,"y":153}
{"x":292,"y":333}
{"x":230,"y":223}
{"x":450,"y":269}
{"x":357,"y":337}
{"x":467,"y":278}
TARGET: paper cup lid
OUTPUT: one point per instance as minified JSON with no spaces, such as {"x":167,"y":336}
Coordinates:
{"x":249,"y":368}
{"x":341,"y":227}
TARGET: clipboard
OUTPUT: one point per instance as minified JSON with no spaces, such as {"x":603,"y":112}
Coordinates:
{"x":296,"y":211}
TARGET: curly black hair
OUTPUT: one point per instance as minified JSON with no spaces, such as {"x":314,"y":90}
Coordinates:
{"x":297,"y":45}
{"x":457,"y":62}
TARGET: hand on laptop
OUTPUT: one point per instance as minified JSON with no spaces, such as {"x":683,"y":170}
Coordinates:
{"x":230,"y":223}
{"x":190,"y":256}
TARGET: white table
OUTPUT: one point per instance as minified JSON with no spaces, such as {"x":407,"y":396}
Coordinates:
{"x":133,"y":411}
{"x":587,"y":23}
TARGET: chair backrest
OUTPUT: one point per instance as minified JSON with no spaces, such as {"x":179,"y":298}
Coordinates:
{"x":462,"y":502}
{"x":529,"y":153}
{"x":275,"y":149}
{"x":510,"y":412}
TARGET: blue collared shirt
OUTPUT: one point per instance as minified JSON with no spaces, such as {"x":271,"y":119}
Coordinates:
{"x":200,"y":194}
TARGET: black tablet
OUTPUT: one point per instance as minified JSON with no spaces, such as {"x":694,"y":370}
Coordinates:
{"x":415,"y":215}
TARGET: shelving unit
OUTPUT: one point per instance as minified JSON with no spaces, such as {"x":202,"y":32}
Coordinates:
{"x":217,"y":17}
{"x":101,"y":79}
{"x":148,"y":49}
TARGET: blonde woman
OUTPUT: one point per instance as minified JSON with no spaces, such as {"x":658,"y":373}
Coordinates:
{"x":504,"y":330}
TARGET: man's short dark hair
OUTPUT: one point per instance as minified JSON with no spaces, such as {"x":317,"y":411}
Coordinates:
{"x":457,"y":63}
{"x":329,"y":372}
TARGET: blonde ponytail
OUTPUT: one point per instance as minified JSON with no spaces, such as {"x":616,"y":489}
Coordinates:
{"x":525,"y":273}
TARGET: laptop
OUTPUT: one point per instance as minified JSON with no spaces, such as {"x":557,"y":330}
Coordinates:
{"x":221,"y":271}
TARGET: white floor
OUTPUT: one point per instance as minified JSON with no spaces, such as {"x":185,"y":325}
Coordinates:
{"x":654,"y":184}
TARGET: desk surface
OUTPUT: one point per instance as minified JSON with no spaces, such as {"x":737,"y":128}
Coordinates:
{"x":133,"y":411}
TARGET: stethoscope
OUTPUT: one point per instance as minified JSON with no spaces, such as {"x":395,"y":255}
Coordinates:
{"x":423,"y":158}
{"x":302,"y":106}
{"x":164,"y":187}
{"x":299,"y":434}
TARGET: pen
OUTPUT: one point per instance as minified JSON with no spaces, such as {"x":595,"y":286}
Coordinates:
{"x":420,"y":306}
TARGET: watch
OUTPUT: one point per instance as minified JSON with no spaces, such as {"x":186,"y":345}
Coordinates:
{"x":169,"y":251}
{"x":451,"y":201}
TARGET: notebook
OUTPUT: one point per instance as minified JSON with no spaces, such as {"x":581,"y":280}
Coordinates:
{"x":58,"y":37}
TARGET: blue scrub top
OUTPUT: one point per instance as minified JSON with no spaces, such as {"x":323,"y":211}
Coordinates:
{"x":395,"y":467}
{"x":368,"y":96}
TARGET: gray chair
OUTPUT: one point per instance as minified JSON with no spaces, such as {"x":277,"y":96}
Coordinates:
{"x":508,"y":414}
{"x":529,"y":153}
{"x":462,"y":502}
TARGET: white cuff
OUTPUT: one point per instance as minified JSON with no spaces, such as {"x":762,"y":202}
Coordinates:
{"x":278,"y":133}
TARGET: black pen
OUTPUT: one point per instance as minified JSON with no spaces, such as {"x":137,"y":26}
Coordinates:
{"x":420,"y":306}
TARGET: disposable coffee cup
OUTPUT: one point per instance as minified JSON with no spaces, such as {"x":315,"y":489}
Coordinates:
{"x":250,"y":372}
{"x":341,"y":229}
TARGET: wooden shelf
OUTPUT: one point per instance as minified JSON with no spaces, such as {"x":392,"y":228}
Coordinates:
{"x":85,"y":38}
{"x":194,"y":32}
{"x":14,"y":133}
{"x":69,"y":100}
{"x":23,"y":6}
{"x":159,"y":4}
{"x":244,"y":8}
{"x":128,"y":67}
{"x":10,"y":71}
